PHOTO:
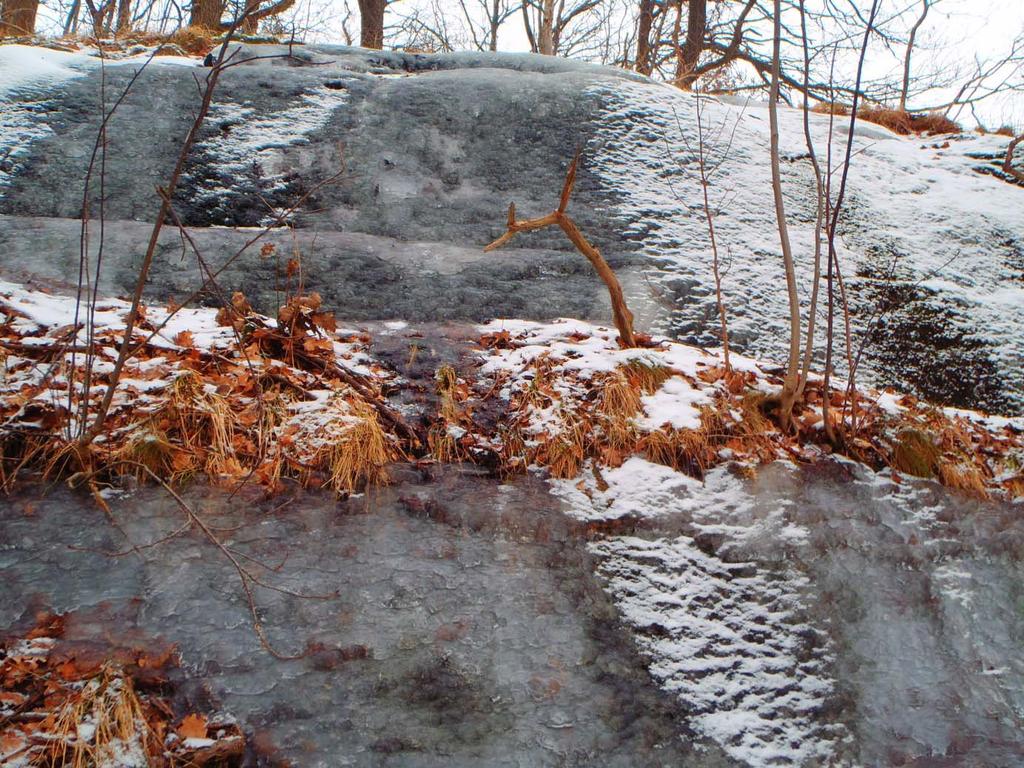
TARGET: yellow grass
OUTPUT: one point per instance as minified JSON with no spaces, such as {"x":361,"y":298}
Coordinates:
{"x":647,"y":377}
{"x":108,"y":702}
{"x":360,"y":456}
{"x":915,"y":453}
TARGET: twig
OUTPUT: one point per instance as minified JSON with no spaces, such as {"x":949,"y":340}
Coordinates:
{"x":246,"y":577}
{"x":623,"y":317}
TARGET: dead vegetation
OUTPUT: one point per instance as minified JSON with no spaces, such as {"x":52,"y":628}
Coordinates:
{"x":82,"y":705}
{"x":899,"y":121}
{"x":266,"y":401}
{"x":559,"y":417}
{"x":620,"y":312}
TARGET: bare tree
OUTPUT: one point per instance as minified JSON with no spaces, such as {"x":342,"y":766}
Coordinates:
{"x":645,"y":23}
{"x":495,"y":13}
{"x":693,"y":45}
{"x":789,"y":388}
{"x":371,"y":23}
{"x":101,"y":16}
{"x":205,"y":14}
{"x":124,"y":15}
{"x":546,"y":35}
{"x":18,"y":18}
{"x":709,"y":217}
{"x":820,"y":215}
{"x":555,"y":29}
{"x":905,"y":88}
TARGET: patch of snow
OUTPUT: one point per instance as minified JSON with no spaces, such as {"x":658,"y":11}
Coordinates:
{"x":247,"y":139}
{"x":728,"y":640}
{"x":31,"y":67}
{"x":639,"y":488}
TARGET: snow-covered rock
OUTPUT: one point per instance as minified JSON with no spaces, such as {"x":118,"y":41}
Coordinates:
{"x":431,"y":149}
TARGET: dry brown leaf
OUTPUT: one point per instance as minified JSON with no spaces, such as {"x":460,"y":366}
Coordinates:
{"x":184,"y":339}
{"x":325,"y":321}
{"x":192,"y":727}
{"x":10,"y":742}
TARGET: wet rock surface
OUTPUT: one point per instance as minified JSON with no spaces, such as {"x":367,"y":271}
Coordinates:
{"x":807,"y":617}
{"x":481,"y":638}
{"x":412,"y":175}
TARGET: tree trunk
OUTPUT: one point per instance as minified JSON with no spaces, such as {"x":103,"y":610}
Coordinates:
{"x":643,"y":37}
{"x":791,"y":382}
{"x":693,"y":46}
{"x":251,"y":23}
{"x":18,"y":18}
{"x":124,"y":15}
{"x":495,"y":23}
{"x":546,"y":39}
{"x":371,"y":20}
{"x":71,"y":21}
{"x":905,"y":90}
{"x":206,"y":14}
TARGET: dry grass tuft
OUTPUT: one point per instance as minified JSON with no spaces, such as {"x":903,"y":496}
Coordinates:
{"x":359,"y":458}
{"x":647,"y":377}
{"x":916,"y":453}
{"x":446,"y":384}
{"x":566,"y":451}
{"x":963,"y":477}
{"x":152,"y":450}
{"x":620,"y":399}
{"x":1014,"y":487}
{"x":443,"y":445}
{"x":109,"y":705}
{"x":830,"y":108}
{"x":905,"y":123}
{"x":658,"y":447}
{"x":203,"y":423}
{"x":689,"y":450}
{"x":512,"y":450}
{"x":754,"y":430}
{"x":898,"y":121}
{"x":194,"y":40}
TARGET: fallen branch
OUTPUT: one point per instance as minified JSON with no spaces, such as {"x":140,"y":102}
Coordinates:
{"x":623,"y":317}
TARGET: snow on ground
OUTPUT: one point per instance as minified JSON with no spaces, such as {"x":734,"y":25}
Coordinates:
{"x":579,"y":351}
{"x":43,"y":322}
{"x":714,"y":582}
{"x":33,"y":74}
{"x":955,"y":236}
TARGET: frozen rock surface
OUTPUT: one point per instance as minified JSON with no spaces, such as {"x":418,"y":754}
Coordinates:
{"x":431,"y":149}
{"x":468,"y":629}
{"x":806,"y":617}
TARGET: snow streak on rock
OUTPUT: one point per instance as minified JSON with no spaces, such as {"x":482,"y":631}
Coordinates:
{"x":727,"y":638}
{"x":925,"y":236}
{"x":250,"y":143}
{"x":28,"y":76}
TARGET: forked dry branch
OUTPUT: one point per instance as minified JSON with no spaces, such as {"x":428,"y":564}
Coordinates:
{"x":620,"y":312}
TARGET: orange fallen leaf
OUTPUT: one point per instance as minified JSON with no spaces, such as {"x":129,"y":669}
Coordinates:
{"x":11,"y":742}
{"x":192,"y":727}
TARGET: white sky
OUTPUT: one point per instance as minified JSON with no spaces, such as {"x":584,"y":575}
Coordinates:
{"x":955,"y":33}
